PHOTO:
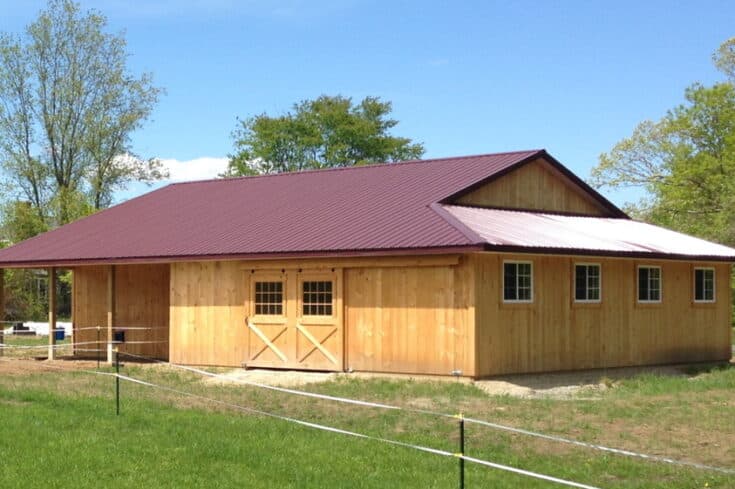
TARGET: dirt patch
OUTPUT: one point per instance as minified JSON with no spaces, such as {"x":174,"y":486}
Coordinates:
{"x":567,"y":385}
{"x":510,"y":388}
{"x":561,"y":386}
{"x":280,"y":378}
{"x":677,"y":441}
{"x":26,"y":366}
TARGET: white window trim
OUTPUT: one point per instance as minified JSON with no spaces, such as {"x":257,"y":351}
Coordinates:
{"x":660,"y":285}
{"x":502,"y":290}
{"x":574,"y":283}
{"x":714,"y":286}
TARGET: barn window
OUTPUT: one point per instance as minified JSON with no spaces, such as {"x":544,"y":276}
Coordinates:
{"x":517,"y":281}
{"x":704,"y":285}
{"x":586,"y":282}
{"x":317,"y":298}
{"x":269,"y":298}
{"x":649,"y":284}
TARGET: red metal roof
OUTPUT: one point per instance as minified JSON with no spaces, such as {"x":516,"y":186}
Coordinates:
{"x":378,"y":208}
{"x":527,"y":231}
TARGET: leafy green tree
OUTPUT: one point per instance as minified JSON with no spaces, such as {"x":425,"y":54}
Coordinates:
{"x":68,"y":106}
{"x":724,"y":58}
{"x":685,"y":161}
{"x":21,"y":221}
{"x":322,"y":133}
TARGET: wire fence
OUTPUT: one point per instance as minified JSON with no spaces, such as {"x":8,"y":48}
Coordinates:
{"x":461,"y":456}
{"x":520,"y":431}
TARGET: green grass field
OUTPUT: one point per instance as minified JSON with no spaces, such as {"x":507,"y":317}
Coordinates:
{"x":59,"y":429}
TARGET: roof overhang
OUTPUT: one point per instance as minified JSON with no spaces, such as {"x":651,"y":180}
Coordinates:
{"x":540,"y":250}
{"x":286,"y":255}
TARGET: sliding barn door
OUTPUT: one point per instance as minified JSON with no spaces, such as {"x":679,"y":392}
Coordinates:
{"x":318,"y":325}
{"x":269,"y":342}
{"x":295,"y":320}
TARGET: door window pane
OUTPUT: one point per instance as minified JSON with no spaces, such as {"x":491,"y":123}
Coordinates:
{"x":317,"y":298}
{"x":269,"y":298}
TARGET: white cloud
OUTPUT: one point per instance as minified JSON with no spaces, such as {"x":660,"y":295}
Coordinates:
{"x":197,"y":169}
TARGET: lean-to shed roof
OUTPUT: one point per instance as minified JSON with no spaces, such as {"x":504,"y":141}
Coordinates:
{"x":578,"y":235}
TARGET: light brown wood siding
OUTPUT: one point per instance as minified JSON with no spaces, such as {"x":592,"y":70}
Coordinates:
{"x":410,"y":319}
{"x":141,"y":298}
{"x":555,"y":333}
{"x":438,"y":316}
{"x":409,"y":315}
{"x":208,"y":313}
{"x":536,"y":185}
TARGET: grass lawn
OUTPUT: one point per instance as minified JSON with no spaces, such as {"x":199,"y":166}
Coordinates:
{"x":59,"y":429}
{"x":35,"y":341}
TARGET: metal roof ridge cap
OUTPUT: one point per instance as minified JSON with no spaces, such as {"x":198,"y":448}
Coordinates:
{"x":456,"y":223}
{"x":355,"y":167}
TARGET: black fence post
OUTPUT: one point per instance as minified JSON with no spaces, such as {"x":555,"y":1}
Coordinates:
{"x":117,"y":381}
{"x":461,"y":451}
{"x":98,"y":348}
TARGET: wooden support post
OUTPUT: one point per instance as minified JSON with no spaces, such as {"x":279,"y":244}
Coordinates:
{"x":2,"y":296}
{"x":51,"y":313}
{"x":2,"y":309}
{"x":110,"y":311}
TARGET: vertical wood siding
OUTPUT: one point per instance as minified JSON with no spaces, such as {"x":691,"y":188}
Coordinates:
{"x":410,"y":319}
{"x":555,"y":333}
{"x":141,"y":297}
{"x":430,"y":318}
{"x":208,"y":313}
{"x":536,"y":185}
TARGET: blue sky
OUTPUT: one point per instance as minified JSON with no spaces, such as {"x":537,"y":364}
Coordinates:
{"x":464,"y":77}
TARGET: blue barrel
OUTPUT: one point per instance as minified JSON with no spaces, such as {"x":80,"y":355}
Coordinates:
{"x":59,"y":334}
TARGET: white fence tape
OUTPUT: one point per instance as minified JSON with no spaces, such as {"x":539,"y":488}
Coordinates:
{"x":559,"y":439}
{"x":74,"y":345}
{"x":332,"y":429}
{"x":617,"y":451}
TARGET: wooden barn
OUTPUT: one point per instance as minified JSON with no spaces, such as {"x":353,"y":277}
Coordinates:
{"x":472,"y":266}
